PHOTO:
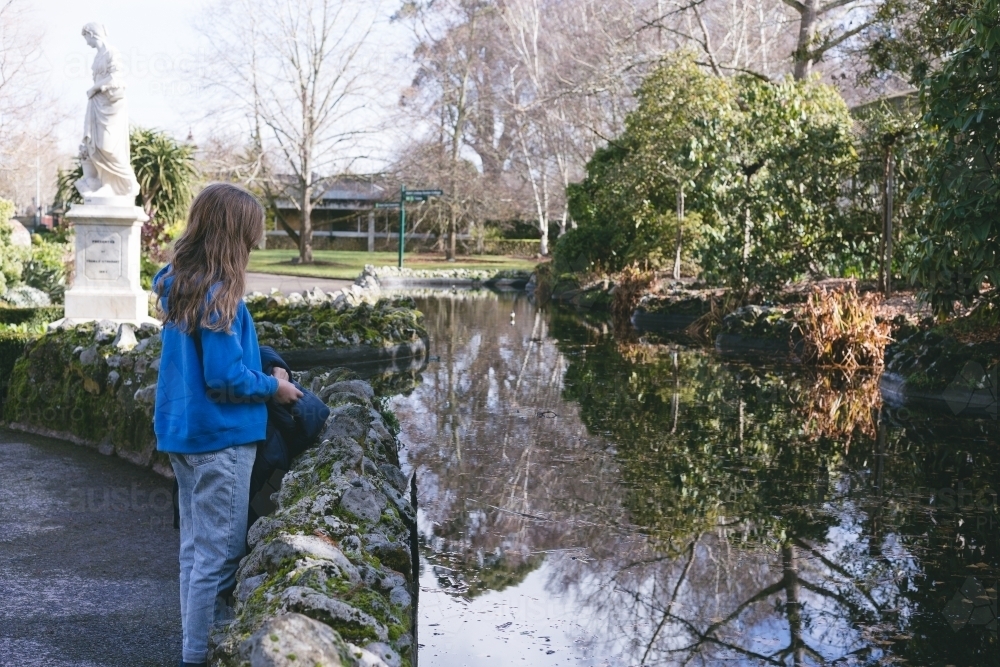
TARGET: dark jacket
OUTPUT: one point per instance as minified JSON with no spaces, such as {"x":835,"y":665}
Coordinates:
{"x":291,"y":430}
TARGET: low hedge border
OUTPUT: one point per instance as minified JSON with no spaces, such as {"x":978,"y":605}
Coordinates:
{"x":12,"y":347}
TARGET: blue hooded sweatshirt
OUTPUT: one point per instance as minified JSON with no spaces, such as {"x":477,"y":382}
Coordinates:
{"x":213,"y":400}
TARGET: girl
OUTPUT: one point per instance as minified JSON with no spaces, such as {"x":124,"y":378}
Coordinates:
{"x":210,"y":399}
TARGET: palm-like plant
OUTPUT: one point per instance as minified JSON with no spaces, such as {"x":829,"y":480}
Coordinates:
{"x":166,"y":173}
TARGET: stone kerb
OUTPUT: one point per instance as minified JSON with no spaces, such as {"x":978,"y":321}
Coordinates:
{"x":330,"y":577}
{"x":391,"y":277}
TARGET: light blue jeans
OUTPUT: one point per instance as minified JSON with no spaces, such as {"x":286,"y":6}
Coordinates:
{"x":213,"y":494}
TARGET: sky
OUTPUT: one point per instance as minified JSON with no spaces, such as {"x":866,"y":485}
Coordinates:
{"x":154,"y":37}
{"x":157,"y":39}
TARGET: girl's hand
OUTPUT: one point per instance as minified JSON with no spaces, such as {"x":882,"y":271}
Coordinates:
{"x":280,"y":373}
{"x":287,"y":393}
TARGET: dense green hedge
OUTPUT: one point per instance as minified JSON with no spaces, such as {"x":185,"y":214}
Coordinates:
{"x":12,"y":344}
{"x":30,"y":317}
{"x":512,"y":247}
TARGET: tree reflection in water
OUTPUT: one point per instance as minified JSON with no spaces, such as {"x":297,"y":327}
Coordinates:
{"x":691,"y":509}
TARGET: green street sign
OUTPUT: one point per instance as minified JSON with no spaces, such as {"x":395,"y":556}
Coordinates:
{"x":404,"y":196}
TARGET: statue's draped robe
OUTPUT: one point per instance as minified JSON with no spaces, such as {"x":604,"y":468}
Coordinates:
{"x":105,"y":131}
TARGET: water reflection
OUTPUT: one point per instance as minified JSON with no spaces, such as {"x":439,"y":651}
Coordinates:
{"x":592,"y":502}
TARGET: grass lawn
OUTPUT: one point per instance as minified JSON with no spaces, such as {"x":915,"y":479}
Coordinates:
{"x":349,"y":264}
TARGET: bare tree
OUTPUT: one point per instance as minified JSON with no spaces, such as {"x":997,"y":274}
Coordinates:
{"x":452,"y":45}
{"x":766,"y":38}
{"x":305,"y":76}
{"x":29,"y":153}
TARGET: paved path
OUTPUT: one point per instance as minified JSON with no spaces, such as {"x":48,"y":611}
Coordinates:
{"x":263,"y":282}
{"x":88,"y":559}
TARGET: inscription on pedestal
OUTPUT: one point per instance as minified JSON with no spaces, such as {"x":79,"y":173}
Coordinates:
{"x":103,"y":257}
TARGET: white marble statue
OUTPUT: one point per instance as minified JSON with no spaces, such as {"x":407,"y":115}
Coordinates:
{"x":107,"y":169}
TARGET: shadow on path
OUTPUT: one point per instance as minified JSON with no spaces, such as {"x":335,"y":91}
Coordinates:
{"x":88,"y":559}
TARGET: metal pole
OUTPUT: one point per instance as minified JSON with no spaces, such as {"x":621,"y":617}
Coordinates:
{"x":402,"y":222}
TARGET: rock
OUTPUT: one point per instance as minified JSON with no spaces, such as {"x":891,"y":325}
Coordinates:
{"x":315,"y":298}
{"x":294,"y":640}
{"x":366,"y":504}
{"x":105,"y":331}
{"x":113,"y":378}
{"x":148,"y":329}
{"x":392,"y":580}
{"x":340,"y":449}
{"x":246,"y":587}
{"x":336,"y":526}
{"x":276,"y":300}
{"x":350,"y":421}
{"x":358,"y":388}
{"x":262,"y":528}
{"x":287,"y":547}
{"x":344,"y":618}
{"x":395,"y":477}
{"x":89,"y":356}
{"x":385,"y":653}
{"x":125,"y":340}
{"x":351,"y":543}
{"x":145,"y":395}
{"x":400,"y":597}
{"x":295,"y":300}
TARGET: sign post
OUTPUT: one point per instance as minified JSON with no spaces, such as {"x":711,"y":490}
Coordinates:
{"x":402,"y":223}
{"x":404,"y":196}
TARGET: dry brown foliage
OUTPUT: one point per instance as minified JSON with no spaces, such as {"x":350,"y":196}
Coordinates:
{"x":707,"y":326}
{"x":840,"y":329}
{"x":841,"y":406}
{"x":630,"y":285}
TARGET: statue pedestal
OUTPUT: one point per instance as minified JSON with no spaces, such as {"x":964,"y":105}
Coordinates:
{"x":106,"y":285}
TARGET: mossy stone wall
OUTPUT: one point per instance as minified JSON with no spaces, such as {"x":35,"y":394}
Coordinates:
{"x":93,"y":384}
{"x":338,"y":550}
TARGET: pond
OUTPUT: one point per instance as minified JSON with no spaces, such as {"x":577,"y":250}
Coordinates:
{"x":592,"y":501}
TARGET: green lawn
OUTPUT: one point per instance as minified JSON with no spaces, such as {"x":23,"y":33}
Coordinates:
{"x":349,"y":264}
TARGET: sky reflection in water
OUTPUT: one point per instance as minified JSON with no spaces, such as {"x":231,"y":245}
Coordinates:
{"x":589,"y":502}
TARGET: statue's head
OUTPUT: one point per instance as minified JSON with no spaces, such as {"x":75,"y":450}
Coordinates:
{"x":94,"y":33}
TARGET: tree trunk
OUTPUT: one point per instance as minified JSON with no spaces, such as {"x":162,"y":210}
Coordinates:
{"x":449,"y":251}
{"x":885,"y":270}
{"x":745,"y":266}
{"x":809,"y":19}
{"x":305,"y":235}
{"x":793,"y":608}
{"x":371,"y":231}
{"x":680,"y":232}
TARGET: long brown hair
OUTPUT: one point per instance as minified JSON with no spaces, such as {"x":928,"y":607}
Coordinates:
{"x":224,"y":223}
